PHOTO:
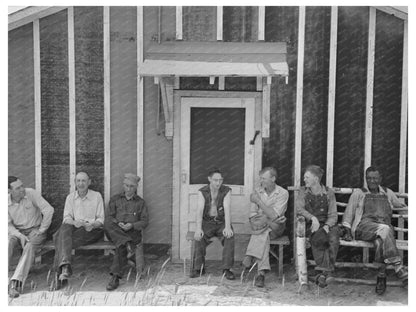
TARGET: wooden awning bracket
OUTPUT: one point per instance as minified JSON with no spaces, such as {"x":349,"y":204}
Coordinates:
{"x":167,"y":85}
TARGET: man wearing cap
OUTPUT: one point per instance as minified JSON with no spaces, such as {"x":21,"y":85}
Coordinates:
{"x":267,"y":221}
{"x":30,"y":215}
{"x":82,"y":225}
{"x":126,"y":217}
{"x":368,"y":218}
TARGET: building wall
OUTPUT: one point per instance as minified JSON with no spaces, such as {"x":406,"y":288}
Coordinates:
{"x":123,"y":93}
{"x":55,"y":112}
{"x":240,"y":25}
{"x":21,"y":134}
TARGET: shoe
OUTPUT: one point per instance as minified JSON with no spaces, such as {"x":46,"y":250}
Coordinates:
{"x":228,"y":274}
{"x":321,"y":281}
{"x":130,"y":250}
{"x":114,"y":283}
{"x":61,"y":284}
{"x":402,"y":273}
{"x":65,"y":273}
{"x":259,"y":282}
{"x":15,"y":289}
{"x":381,"y":284}
{"x":196,"y":273}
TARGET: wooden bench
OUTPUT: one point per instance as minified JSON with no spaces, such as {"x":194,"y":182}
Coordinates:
{"x":401,"y":242}
{"x":281,"y":241}
{"x":100,"y":245}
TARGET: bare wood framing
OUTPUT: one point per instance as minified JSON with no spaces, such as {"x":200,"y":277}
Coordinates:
{"x":107,"y":120}
{"x":71,"y":91}
{"x":37,"y":98}
{"x":403,"y":125}
{"x":30,"y":14}
{"x":299,"y":107}
{"x":221,"y":83}
{"x":140,"y":99}
{"x":331,"y":96}
{"x":393,"y":11}
{"x":178,"y":23}
{"x":219,"y":23}
{"x":262,"y":17}
{"x":266,"y":111}
{"x":370,"y":89}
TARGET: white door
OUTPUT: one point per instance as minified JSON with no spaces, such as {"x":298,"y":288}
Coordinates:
{"x":216,"y":133}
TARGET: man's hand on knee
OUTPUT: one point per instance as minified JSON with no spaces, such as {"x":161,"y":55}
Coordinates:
{"x":227,"y":232}
{"x":23,"y":240}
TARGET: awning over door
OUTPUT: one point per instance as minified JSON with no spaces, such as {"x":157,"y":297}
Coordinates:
{"x":196,"y":59}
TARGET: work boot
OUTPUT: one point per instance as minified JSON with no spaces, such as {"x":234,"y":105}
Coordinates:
{"x":196,"y":273}
{"x":321,"y":281}
{"x":228,"y":274}
{"x":381,"y":284}
{"x":402,"y":273}
{"x":65,"y":273}
{"x":61,"y":284}
{"x":259,"y":282}
{"x":114,"y":282}
{"x":15,"y":288}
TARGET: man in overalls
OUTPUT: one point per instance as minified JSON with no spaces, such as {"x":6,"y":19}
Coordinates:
{"x":368,"y":218}
{"x":317,"y":204}
{"x":213,"y":218}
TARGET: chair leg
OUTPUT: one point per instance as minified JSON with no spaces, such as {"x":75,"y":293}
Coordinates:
{"x":191,"y":265}
{"x":280,"y":260}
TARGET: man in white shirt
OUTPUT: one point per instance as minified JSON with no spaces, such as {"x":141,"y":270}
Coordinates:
{"x":82,"y":225}
{"x":267,"y":220}
{"x":30,"y":215}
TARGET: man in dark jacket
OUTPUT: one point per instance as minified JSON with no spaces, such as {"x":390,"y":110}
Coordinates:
{"x":125,"y":219}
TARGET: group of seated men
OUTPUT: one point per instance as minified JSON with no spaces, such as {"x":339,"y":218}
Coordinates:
{"x":84,"y":222}
{"x":367,"y":217}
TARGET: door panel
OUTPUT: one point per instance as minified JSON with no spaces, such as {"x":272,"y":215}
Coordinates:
{"x":216,"y":132}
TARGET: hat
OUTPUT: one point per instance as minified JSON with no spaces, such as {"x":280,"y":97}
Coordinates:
{"x":132,"y":178}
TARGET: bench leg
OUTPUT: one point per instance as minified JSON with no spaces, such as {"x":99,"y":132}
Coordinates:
{"x":280,"y":261}
{"x":365,"y":255}
{"x":191,"y":265}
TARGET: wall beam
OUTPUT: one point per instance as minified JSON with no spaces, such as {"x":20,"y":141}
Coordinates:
{"x":178,"y":23}
{"x":107,"y":110}
{"x":370,"y":89}
{"x":403,"y":125}
{"x":140,"y":99}
{"x":261,"y":26}
{"x":331,"y":96}
{"x":219,"y":22}
{"x":37,"y":98}
{"x":71,"y":91}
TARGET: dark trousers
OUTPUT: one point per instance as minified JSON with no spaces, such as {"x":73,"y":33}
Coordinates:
{"x":69,"y":237}
{"x":386,"y":251}
{"x":120,"y":239}
{"x":325,"y":257}
{"x":210,"y":230}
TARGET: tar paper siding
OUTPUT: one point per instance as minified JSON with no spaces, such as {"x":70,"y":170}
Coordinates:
{"x":21,"y":134}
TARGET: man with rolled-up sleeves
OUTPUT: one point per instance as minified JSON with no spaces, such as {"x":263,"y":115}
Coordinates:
{"x":125,"y":219}
{"x":30,"y":215}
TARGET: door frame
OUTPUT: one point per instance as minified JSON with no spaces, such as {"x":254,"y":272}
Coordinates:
{"x":176,"y":183}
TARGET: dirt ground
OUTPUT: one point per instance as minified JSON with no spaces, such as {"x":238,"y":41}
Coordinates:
{"x":166,"y":284}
